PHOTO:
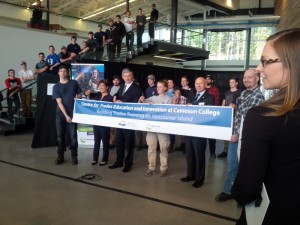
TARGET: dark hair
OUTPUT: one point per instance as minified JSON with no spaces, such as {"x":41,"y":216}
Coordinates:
{"x":100,"y":25}
{"x":91,"y":32}
{"x":51,"y":46}
{"x":41,"y":53}
{"x":118,"y":16}
{"x":105,"y":82}
{"x":62,"y":67}
{"x":117,"y":77}
{"x":186,"y":78}
{"x":140,"y":9}
{"x":11,"y":70}
{"x":110,"y":20}
{"x":74,"y":37}
{"x":234,"y":78}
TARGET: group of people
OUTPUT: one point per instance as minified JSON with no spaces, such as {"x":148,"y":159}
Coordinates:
{"x":269,"y":138}
{"x":19,"y":84}
{"x":116,"y":30}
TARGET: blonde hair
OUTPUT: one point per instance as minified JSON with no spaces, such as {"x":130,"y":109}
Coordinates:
{"x":287,"y":46}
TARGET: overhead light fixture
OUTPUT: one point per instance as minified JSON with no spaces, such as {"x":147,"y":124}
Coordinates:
{"x":165,"y":57}
{"x":103,"y":11}
{"x":35,"y":3}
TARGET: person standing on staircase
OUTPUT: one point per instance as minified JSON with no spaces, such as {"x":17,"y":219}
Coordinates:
{"x":153,"y":18}
{"x":128,"y":23}
{"x":121,"y":31}
{"x":140,"y":21}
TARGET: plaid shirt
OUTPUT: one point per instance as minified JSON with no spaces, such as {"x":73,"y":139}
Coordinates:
{"x":214,"y":91}
{"x":247,"y":100}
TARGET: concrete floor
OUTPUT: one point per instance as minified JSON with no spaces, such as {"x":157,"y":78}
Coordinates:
{"x":34,"y":191}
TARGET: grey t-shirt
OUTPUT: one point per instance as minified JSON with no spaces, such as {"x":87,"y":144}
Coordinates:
{"x":156,"y":99}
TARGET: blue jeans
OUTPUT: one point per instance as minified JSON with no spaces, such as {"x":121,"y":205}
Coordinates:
{"x":232,"y":160}
{"x":61,"y":128}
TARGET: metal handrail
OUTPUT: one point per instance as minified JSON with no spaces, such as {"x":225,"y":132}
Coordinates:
{"x":29,"y":85}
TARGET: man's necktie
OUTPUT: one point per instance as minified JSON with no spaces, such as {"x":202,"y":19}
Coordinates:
{"x":124,"y":90}
{"x":196,"y":98}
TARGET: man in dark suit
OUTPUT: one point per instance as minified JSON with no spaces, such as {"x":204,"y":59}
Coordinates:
{"x":195,"y":146}
{"x":128,"y":92}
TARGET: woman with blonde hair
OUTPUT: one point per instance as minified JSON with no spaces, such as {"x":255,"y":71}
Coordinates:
{"x":152,"y":138}
{"x":270,"y":151}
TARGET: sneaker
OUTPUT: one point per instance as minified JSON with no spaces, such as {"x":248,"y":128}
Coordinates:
{"x":163,"y":173}
{"x":222,"y":155}
{"x":222,"y":197}
{"x":74,"y":161}
{"x":149,"y":173}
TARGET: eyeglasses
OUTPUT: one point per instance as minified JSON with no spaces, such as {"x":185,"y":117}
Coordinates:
{"x":269,"y":61}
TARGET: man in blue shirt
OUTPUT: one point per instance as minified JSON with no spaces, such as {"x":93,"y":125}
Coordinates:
{"x":53,"y":60}
{"x":64,"y":92}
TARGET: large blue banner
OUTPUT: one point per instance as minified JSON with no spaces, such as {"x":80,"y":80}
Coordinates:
{"x":163,"y":118}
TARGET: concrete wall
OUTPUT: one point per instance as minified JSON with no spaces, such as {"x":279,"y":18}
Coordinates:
{"x":18,"y":44}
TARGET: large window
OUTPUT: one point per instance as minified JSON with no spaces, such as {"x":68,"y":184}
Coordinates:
{"x":232,"y":45}
{"x":258,"y":40}
{"x":226,"y":45}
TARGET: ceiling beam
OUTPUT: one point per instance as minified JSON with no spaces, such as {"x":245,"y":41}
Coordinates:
{"x":215,"y":6}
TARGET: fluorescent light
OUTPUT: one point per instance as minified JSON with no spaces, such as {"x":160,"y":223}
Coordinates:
{"x":164,"y":57}
{"x":116,"y":6}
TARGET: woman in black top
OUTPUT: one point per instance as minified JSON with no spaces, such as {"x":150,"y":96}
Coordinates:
{"x":270,"y":149}
{"x":101,"y":132}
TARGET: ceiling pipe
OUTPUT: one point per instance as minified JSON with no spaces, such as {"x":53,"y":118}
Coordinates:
{"x":222,"y":20}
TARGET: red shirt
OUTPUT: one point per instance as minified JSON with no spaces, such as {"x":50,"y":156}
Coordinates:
{"x":12,"y":82}
{"x":215,"y":92}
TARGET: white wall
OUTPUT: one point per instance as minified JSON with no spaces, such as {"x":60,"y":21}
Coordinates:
{"x":18,"y":44}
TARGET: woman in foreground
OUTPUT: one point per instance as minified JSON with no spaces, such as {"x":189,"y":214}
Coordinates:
{"x":270,"y":150}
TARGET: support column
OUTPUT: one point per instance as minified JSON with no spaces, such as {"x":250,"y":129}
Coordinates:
{"x":127,"y":5}
{"x":174,"y":12}
{"x":248,"y":42}
{"x":48,"y":15}
{"x":204,"y":46}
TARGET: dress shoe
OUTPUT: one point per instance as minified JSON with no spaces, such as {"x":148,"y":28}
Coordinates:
{"x":126,"y":169}
{"x":102,"y":163}
{"x":74,"y":161}
{"x":187,"y":179}
{"x":59,"y":161}
{"x":198,"y":184}
{"x":94,"y":163}
{"x":213,"y":155}
{"x":222,"y":155}
{"x":111,"y":146}
{"x":114,"y":166}
{"x":222,"y":197}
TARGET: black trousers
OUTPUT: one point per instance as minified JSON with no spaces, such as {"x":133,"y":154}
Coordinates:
{"x":63,"y":128}
{"x":101,"y":133}
{"x":212,"y":145}
{"x":139,"y":34}
{"x":195,"y":157}
{"x":151,"y":29}
{"x":125,"y":141}
{"x":111,"y":51}
{"x":12,"y":110}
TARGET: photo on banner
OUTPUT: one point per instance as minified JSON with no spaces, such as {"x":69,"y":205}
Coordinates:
{"x":87,"y":76}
